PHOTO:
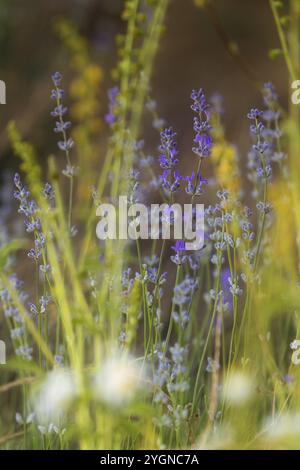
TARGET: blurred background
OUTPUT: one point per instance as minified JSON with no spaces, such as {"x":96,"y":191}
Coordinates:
{"x":223,"y":49}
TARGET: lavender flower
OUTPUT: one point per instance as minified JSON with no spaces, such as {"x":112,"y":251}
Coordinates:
{"x":225,"y":286}
{"x":204,"y":143}
{"x":32,"y":222}
{"x":179,"y":248}
{"x":270,"y":95}
{"x":195,"y":187}
{"x":25,"y":352}
{"x":264,"y":207}
{"x":183,"y":292}
{"x":57,"y":78}
{"x":168,"y":149}
{"x":254,"y":114}
{"x":162,"y":372}
{"x":259,"y":157}
{"x":202,"y":139}
{"x":61,"y":126}
{"x":18,"y":331}
{"x":44,"y":302}
{"x":234,"y":287}
{"x":48,"y":191}
{"x":179,"y":357}
{"x":170,"y":181}
{"x":271,"y":116}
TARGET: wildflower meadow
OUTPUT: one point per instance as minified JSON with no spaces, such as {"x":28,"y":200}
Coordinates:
{"x":115,"y":341}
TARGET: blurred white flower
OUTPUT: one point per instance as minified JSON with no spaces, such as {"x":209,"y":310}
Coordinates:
{"x":54,"y":395}
{"x":238,"y":388}
{"x":222,"y":437}
{"x":285,"y":425}
{"x":24,"y":420}
{"x":51,"y":428}
{"x":295,"y":344}
{"x":118,"y":380}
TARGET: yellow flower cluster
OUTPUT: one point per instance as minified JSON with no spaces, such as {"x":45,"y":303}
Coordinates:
{"x":29,"y":161}
{"x":284,"y":229}
{"x":199,"y":3}
{"x":86,"y":83}
{"x":224,"y":159}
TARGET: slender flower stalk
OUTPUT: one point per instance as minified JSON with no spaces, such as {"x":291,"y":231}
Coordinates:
{"x":67,"y":143}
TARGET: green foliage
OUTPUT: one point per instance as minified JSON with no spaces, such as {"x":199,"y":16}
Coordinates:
{"x":29,"y":162}
{"x":275,"y":53}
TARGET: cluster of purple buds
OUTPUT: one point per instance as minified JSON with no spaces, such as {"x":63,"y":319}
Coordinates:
{"x":134,"y":184}
{"x":168,"y":149}
{"x":270,"y":97}
{"x":162,"y":373}
{"x":170,"y":181}
{"x":27,"y":206}
{"x":48,"y":192}
{"x":170,"y":178}
{"x":226,"y":297}
{"x":25,"y":352}
{"x":44,"y":301}
{"x":260,"y":149}
{"x":127,"y":281}
{"x":170,"y":373}
{"x":234,"y":287}
{"x":247,"y":230}
{"x":203,"y":139}
{"x":30,"y":210}
{"x":182,"y":298}
{"x":263,"y":207}
{"x":17,"y":331}
{"x":271,"y":116}
{"x":10,"y":311}
{"x":195,"y":260}
{"x":179,"y":357}
{"x":179,"y":249}
{"x":183,"y":291}
{"x":59,"y":111}
{"x":248,"y":235}
{"x":154,"y":277}
{"x":39,"y":244}
{"x":195,"y":188}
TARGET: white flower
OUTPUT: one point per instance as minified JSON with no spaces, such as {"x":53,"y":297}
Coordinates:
{"x":50,"y":429}
{"x":118,"y":380}
{"x":295,"y":344}
{"x":27,"y":420}
{"x":54,"y":395}
{"x":238,"y":388}
{"x":19,"y":418}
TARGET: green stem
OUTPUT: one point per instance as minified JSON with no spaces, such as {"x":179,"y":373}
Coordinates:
{"x":170,"y":327}
{"x":283,"y":41}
